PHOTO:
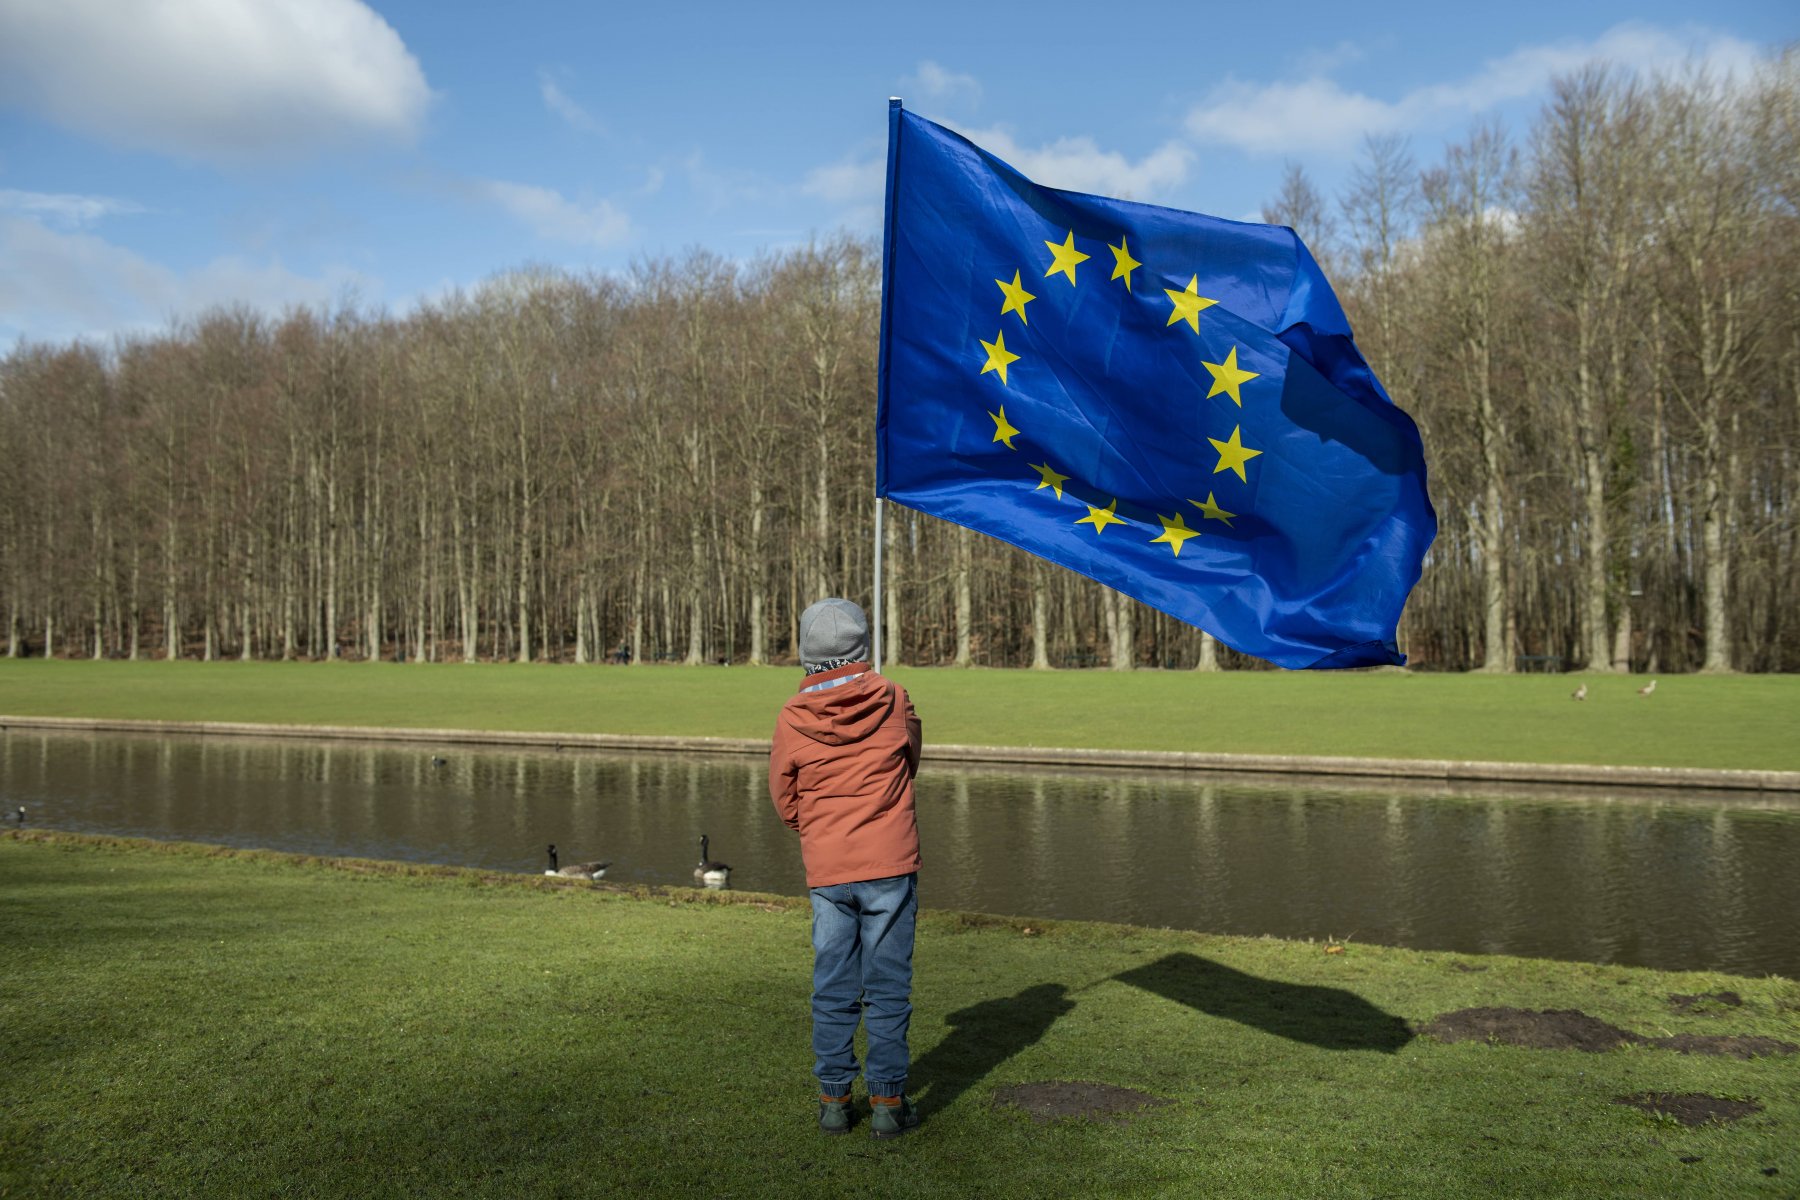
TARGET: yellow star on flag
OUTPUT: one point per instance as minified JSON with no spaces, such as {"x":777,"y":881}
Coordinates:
{"x":1048,"y":478}
{"x":1188,"y":304}
{"x":998,"y":355}
{"x":1100,"y":518}
{"x":1002,"y":431}
{"x":1016,"y":298}
{"x":1175,"y":532}
{"x":1233,"y":454}
{"x":1211,"y":510}
{"x":1228,"y":377}
{"x":1123,"y":263}
{"x":1066,"y":258}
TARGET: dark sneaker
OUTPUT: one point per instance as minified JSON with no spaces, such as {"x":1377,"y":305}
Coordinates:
{"x":891,"y":1116}
{"x":834,"y":1114}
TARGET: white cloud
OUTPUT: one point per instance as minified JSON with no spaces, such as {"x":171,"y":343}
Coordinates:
{"x":560,"y":103}
{"x":1316,"y":60}
{"x":64,"y":210}
{"x":1281,"y":118}
{"x":218,"y":80}
{"x":554,"y":216}
{"x":846,"y":183}
{"x":854,"y":189}
{"x":1319,"y":115}
{"x":1074,"y":164}
{"x":942,"y":86}
{"x":60,"y":285}
{"x":724,"y":190}
{"x":1077,"y":164}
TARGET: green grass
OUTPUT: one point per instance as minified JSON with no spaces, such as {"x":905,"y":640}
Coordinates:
{"x":1737,"y":721}
{"x":189,"y":1021}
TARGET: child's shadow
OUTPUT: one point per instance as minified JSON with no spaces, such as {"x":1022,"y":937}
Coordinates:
{"x":983,"y":1036}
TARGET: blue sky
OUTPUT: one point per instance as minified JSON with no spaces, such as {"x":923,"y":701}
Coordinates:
{"x":159,"y":156}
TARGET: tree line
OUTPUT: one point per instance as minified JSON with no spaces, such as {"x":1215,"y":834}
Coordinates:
{"x":1596,"y":325}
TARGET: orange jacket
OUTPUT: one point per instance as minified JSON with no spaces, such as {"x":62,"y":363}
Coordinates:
{"x":841,"y":771}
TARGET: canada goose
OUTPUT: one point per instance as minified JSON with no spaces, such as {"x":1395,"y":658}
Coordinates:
{"x":1647,"y":688}
{"x":1579,"y":693}
{"x":712,"y":874}
{"x":21,"y":815}
{"x":586,"y":870}
{"x":438,"y":761}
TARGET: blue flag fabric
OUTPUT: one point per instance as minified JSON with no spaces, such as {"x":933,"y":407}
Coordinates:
{"x":1166,"y":402}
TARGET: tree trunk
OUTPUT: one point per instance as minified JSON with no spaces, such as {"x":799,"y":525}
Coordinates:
{"x":1591,"y":435}
{"x":965,"y":606}
{"x":1716,"y":566}
{"x":1122,"y":654}
{"x":1209,"y":653}
{"x":1040,"y":617}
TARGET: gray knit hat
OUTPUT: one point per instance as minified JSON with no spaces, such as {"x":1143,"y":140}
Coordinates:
{"x":831,"y":630}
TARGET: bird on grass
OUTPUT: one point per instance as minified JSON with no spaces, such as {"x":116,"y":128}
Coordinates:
{"x":1579,"y":693}
{"x":712,"y":874}
{"x":586,"y":870}
{"x":1647,"y":688}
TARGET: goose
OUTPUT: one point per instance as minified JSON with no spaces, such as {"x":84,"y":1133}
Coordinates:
{"x":439,"y":761}
{"x":1579,"y":693}
{"x":20,"y":815}
{"x":1647,"y":688}
{"x":586,"y":870}
{"x":712,"y":874}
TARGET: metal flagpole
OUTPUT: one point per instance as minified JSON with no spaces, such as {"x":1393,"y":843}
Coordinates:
{"x":875,"y":633}
{"x":881,"y":396}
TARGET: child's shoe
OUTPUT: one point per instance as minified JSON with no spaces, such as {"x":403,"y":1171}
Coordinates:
{"x":891,"y":1116}
{"x":834,"y":1114}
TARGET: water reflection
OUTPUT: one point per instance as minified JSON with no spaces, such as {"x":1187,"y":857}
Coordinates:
{"x":1672,"y":880}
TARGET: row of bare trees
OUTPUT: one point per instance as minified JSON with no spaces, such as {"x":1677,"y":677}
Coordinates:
{"x":1598,"y":330}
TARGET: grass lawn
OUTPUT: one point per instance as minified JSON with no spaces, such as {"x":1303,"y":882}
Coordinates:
{"x":1736,"y":721}
{"x":186,"y":1021}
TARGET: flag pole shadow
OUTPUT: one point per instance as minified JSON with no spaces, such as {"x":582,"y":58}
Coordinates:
{"x":982,"y":1036}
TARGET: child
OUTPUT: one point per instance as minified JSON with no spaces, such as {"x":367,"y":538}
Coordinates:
{"x":840,"y":772}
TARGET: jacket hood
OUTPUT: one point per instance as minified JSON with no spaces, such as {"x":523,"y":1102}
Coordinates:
{"x":843,"y":715}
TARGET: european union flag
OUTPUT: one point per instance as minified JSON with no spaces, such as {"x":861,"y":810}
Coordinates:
{"x":1166,"y":402}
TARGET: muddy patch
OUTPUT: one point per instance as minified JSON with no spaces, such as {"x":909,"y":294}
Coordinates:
{"x":1062,"y":1100}
{"x":1551,"y":1029}
{"x":1572,"y":1029}
{"x":1690,"y":1108}
{"x":1709,"y":1004}
{"x":1725,"y":1045}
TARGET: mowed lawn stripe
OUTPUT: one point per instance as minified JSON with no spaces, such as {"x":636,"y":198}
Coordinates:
{"x":1745,"y":722}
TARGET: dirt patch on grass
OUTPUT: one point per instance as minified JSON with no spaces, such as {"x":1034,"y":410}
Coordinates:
{"x":1572,"y":1029}
{"x":1551,"y":1029}
{"x":1691,"y":1108}
{"x":1062,"y":1100}
{"x":1706,"y":1003}
{"x":1725,"y":1045}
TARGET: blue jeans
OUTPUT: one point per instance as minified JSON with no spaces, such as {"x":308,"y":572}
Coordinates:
{"x":862,"y":970}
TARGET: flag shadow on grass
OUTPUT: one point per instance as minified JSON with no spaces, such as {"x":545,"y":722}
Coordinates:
{"x":1327,"y":1017}
{"x":982,"y":1036}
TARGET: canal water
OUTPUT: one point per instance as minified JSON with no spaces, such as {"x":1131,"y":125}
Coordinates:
{"x":1675,"y":880}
